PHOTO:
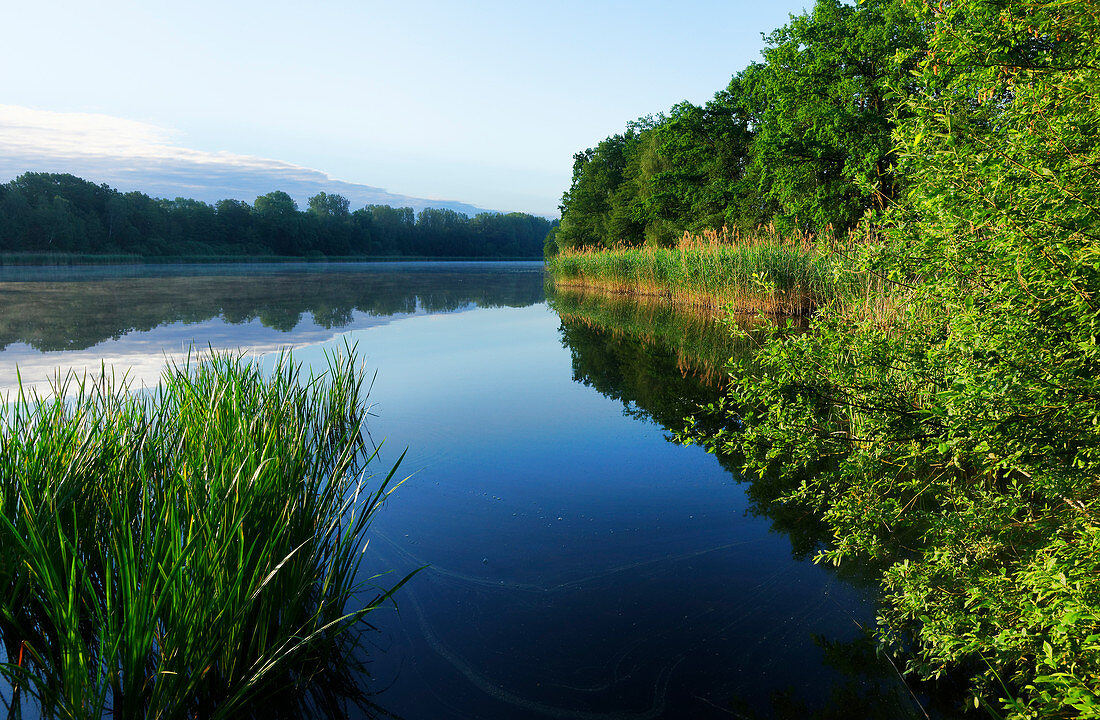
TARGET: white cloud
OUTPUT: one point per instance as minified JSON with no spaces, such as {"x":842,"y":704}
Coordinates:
{"x":56,"y":134}
{"x":132,"y":155}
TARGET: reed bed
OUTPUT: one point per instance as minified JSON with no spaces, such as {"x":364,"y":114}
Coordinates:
{"x":186,"y":551}
{"x":765,"y":272}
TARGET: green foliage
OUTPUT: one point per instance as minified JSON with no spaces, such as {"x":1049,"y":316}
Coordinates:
{"x":942,"y":415}
{"x":823,"y":149}
{"x":62,"y":214}
{"x":586,"y":206}
{"x":550,"y":243}
{"x":703,"y":153}
{"x":329,"y":206}
{"x":187,"y":552}
{"x":946,"y":428}
{"x":767,"y":274}
{"x":802,"y":140}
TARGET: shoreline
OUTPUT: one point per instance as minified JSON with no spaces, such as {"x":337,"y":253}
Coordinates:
{"x":65,"y":259}
{"x":736,"y":303}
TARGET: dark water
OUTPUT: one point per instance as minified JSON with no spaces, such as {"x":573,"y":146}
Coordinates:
{"x":580,"y":565}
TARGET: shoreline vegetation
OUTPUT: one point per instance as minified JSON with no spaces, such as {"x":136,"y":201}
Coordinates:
{"x":192,"y":550}
{"x":940,"y":415}
{"x":665,"y":361}
{"x":763,"y":272}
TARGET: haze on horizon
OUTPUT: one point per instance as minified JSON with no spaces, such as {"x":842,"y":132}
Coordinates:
{"x":483,"y":103}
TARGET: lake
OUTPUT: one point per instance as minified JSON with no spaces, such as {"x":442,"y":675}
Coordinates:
{"x":578,"y":564}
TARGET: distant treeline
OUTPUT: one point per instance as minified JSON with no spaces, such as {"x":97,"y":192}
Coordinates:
{"x":801,"y":140}
{"x":61,"y":213}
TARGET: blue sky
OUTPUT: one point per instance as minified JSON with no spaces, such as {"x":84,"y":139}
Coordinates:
{"x":481,"y":102}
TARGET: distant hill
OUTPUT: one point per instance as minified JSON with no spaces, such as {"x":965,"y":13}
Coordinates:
{"x":201,"y":179}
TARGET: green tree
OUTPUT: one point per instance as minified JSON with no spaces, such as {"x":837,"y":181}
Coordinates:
{"x":150,"y":222}
{"x":1002,"y":152}
{"x":61,"y":225}
{"x":948,"y":427}
{"x":192,"y":227}
{"x":236,"y":224}
{"x":331,"y":224}
{"x":278,"y":222}
{"x":65,"y":214}
{"x":329,"y":206}
{"x":823,"y":151}
{"x":700,"y":181}
{"x":441,"y":232}
{"x":392,"y":228}
{"x":119,"y":228}
{"x":586,"y":206}
{"x":550,"y":243}
{"x":276,"y":204}
{"x":15,"y":218}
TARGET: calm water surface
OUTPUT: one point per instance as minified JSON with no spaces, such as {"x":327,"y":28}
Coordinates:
{"x":579,"y":565}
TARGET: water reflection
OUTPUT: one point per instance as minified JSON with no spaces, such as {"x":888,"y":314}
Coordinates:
{"x":137,"y":318}
{"x":664,"y":365}
{"x":329,"y":681}
{"x":581,"y":566}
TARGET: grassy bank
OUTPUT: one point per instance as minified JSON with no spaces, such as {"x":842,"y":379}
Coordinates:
{"x":186,"y":552}
{"x":764,"y":272}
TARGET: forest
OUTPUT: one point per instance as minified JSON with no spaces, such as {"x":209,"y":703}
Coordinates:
{"x":803,"y":139}
{"x":940,"y":412}
{"x":48,"y":213}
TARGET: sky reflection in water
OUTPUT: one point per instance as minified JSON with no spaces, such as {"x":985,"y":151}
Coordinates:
{"x":579,"y":564}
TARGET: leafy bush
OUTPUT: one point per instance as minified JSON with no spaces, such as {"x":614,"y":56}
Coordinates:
{"x":957,"y":420}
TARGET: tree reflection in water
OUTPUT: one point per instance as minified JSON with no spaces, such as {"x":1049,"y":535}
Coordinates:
{"x":666,"y":365}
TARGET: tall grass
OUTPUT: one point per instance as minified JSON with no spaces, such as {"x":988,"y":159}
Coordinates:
{"x":763,"y":272}
{"x":185,"y":552}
